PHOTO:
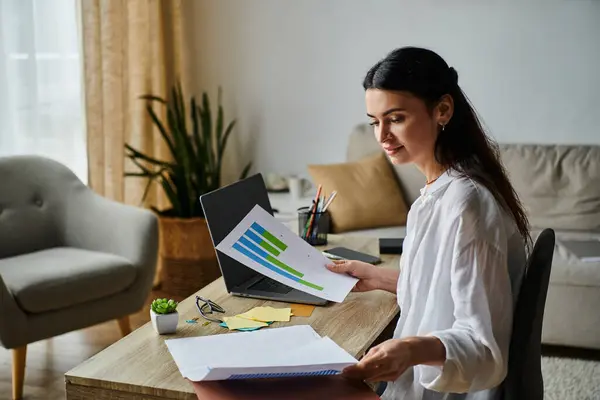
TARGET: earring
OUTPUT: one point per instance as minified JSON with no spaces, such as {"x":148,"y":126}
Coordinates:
{"x":443,"y":127}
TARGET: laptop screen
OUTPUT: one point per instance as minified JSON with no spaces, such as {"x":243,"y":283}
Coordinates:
{"x":224,"y":208}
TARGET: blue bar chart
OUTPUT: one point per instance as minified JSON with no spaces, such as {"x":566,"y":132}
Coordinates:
{"x":263,"y":247}
{"x":261,"y":242}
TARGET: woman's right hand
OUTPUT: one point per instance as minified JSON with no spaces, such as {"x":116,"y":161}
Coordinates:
{"x":367,"y":274}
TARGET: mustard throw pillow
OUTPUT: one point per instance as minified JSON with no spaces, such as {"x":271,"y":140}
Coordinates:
{"x":368,"y":194}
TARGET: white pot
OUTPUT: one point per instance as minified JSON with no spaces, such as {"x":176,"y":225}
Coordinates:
{"x":164,"y":323}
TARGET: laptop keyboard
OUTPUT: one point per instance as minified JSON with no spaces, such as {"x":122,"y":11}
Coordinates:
{"x":270,"y":285}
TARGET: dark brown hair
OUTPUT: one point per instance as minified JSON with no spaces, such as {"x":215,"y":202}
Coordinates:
{"x":463,"y":144}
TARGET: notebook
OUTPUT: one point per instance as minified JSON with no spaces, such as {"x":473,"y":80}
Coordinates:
{"x":584,"y":250}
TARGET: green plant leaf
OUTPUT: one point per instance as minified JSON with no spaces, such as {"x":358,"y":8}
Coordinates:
{"x":184,"y":150}
{"x":176,"y":109}
{"x":246,"y":171}
{"x":195,"y":126}
{"x":223,"y":142}
{"x":138,"y":174}
{"x":146,"y":191}
{"x":151,"y":175}
{"x":220,"y":117}
{"x":142,"y":167}
{"x":161,"y":129}
{"x":200,"y":167}
{"x":156,"y":210}
{"x":171,"y":194}
{"x":208,"y":132}
{"x":181,"y":108}
{"x":221,"y":149}
{"x":182,"y":189}
{"x":151,"y":97}
{"x":164,"y":306}
{"x":207,"y":148}
{"x":137,"y":154}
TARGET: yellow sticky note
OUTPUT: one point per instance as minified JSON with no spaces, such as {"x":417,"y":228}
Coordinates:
{"x":238,"y":322}
{"x":302,"y":310}
{"x":267,"y":314}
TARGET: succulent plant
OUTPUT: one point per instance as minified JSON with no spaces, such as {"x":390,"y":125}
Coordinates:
{"x":164,"y":306}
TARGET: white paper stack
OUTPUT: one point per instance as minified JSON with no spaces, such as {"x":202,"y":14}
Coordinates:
{"x":288,"y":351}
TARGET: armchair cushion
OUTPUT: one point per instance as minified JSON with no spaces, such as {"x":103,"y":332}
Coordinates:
{"x":62,"y":277}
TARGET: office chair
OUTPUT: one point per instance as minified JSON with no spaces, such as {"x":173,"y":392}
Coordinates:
{"x":524,"y":378}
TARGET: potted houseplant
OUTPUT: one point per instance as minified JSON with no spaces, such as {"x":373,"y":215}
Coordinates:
{"x":164,"y":315}
{"x":196,"y":142}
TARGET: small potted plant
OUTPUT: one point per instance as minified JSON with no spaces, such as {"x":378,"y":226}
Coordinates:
{"x":164,"y":315}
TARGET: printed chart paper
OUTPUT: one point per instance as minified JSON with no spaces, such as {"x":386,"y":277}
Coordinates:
{"x":264,"y":244}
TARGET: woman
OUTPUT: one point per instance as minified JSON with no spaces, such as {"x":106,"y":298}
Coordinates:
{"x":465,"y":248}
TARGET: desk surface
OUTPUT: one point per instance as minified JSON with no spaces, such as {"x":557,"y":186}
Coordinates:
{"x":140,"y":365}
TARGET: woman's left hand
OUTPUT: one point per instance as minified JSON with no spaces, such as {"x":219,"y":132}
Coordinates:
{"x":383,"y":363}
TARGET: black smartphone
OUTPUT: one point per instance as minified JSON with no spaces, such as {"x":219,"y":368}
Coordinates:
{"x":344,"y":253}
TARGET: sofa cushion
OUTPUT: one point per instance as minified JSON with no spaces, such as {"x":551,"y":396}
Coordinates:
{"x":61,"y":277}
{"x":559,"y":185}
{"x":368,"y":195}
{"x":567,"y":269}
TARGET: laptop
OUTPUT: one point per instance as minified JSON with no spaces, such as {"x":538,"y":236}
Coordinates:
{"x":224,"y":208}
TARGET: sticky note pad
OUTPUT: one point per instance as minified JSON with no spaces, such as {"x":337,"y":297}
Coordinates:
{"x":302,"y":310}
{"x":266,"y":314}
{"x":238,"y":322}
{"x":224,"y":325}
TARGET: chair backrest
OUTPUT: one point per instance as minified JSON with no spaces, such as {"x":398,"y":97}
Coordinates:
{"x":524,"y":378}
{"x":33,"y":191}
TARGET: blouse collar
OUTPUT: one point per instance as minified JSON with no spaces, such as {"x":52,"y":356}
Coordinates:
{"x":440,"y":182}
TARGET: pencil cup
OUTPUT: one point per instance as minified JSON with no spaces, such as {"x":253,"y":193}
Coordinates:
{"x":313,"y":226}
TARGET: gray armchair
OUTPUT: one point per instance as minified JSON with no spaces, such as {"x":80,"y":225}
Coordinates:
{"x":69,"y":258}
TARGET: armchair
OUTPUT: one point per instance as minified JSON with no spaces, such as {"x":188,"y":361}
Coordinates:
{"x":69,"y":258}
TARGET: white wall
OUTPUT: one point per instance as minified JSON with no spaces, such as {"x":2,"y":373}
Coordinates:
{"x":292,"y":70}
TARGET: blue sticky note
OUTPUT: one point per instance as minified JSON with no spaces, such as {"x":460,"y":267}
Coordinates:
{"x":224,"y":325}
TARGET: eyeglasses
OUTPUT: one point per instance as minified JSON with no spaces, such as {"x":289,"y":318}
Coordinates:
{"x":212,"y":307}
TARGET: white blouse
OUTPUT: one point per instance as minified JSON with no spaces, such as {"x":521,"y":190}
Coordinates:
{"x":461,"y":270}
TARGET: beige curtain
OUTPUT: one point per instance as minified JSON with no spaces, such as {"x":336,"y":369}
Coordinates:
{"x":131,"y":47}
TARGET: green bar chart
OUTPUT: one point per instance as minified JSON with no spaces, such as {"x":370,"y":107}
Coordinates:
{"x":263,"y":243}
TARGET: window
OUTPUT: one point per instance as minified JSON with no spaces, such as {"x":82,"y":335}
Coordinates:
{"x":41,"y":101}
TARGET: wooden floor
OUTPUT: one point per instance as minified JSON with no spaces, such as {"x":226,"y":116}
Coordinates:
{"x":48,"y":360}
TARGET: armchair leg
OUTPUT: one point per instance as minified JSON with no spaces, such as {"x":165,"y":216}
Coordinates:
{"x":19,"y":355}
{"x":124,"y":325}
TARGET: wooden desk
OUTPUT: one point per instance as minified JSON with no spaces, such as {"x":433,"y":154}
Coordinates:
{"x":139,"y":366}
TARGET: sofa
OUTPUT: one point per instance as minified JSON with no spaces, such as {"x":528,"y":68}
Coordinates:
{"x":559,"y":186}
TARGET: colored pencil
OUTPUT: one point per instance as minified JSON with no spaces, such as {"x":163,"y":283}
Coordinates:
{"x":314,"y":210}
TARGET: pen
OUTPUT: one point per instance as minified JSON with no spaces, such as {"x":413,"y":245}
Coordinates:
{"x":331,"y":197}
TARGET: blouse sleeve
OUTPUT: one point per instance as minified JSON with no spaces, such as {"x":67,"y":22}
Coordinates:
{"x":477,"y":344}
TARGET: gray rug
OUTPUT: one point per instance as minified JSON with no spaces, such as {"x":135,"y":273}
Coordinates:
{"x":571,"y":379}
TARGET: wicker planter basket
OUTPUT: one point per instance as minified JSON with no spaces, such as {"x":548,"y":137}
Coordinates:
{"x":188,"y":261}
